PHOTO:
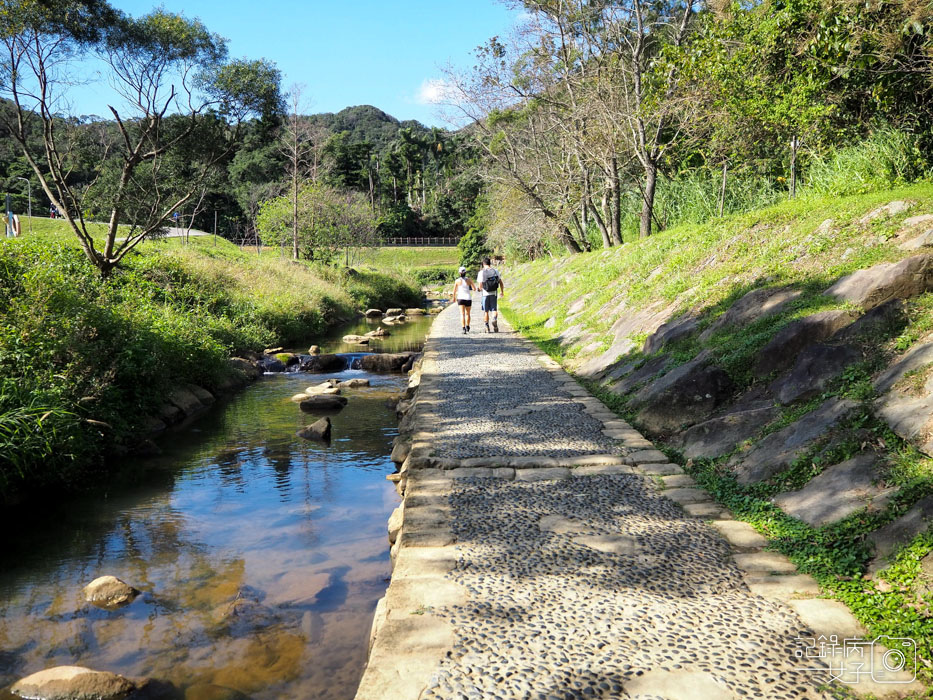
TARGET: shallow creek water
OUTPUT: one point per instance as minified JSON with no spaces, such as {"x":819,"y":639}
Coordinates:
{"x":260,"y":555}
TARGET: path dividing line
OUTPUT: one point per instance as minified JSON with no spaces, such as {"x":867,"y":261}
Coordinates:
{"x":545,"y":549}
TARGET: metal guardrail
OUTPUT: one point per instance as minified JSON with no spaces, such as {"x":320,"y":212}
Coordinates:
{"x":420,"y":241}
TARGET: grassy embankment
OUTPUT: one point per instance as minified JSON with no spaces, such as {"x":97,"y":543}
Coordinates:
{"x":703,"y":270}
{"x":84,"y":360}
{"x":424,"y":266}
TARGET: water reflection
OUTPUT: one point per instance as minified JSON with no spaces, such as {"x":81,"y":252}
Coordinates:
{"x":260,"y":555}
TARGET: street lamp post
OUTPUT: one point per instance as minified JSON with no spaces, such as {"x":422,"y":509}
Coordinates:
{"x":29,"y":195}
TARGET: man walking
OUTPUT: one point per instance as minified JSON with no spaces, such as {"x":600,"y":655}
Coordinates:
{"x":490,"y":282}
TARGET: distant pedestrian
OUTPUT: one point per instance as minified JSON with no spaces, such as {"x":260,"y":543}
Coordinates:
{"x":490,"y":282}
{"x":463,"y":289}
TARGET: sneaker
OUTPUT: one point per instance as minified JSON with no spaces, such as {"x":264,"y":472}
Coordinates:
{"x":495,"y":325}
{"x":464,"y":330}
{"x":468,"y":329}
{"x":487,"y":327}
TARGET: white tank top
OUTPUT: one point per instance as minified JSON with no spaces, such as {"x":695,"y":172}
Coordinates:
{"x":463,"y":289}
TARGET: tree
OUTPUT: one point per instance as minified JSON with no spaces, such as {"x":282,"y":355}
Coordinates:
{"x":173,"y":76}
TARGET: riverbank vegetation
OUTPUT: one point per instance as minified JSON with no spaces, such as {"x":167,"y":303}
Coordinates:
{"x":85,"y":360}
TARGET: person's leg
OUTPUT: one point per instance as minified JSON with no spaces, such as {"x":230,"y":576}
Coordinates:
{"x":463,"y":316}
{"x":468,"y":312}
{"x":494,"y":304}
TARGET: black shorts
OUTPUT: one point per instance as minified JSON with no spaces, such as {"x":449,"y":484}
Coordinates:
{"x":465,"y":302}
{"x":491,"y":303}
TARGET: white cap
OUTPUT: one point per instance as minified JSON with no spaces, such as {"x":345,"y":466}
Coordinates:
{"x":462,"y":268}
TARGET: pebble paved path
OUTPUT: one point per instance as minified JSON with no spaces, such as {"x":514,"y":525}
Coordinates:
{"x":589,"y":585}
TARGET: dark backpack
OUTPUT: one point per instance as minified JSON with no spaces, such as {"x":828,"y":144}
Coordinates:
{"x":490,"y":280}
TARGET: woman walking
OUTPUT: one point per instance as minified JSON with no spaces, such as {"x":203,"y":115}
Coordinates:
{"x":462,"y":294}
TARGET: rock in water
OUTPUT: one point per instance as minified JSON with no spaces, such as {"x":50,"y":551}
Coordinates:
{"x":319,"y":430}
{"x":354,"y":383}
{"x":387,"y":362}
{"x":73,"y":683}
{"x":324,"y":363}
{"x":372,"y":313}
{"x":323,"y":403}
{"x":356,"y":339}
{"x":314,"y":350}
{"x":109,"y":592}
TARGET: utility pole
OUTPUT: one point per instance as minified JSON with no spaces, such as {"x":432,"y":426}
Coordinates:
{"x":29,"y":195}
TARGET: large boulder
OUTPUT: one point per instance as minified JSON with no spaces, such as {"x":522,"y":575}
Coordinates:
{"x":394,"y":312}
{"x":271,"y":364}
{"x":73,"y":683}
{"x":880,"y":283}
{"x":839,"y":491}
{"x":782,"y":350}
{"x":385,"y":362}
{"x":372,"y":313}
{"x":816,"y":366}
{"x":683,"y":396}
{"x":758,"y":303}
{"x":378,"y":333}
{"x":243,"y":365}
{"x":109,"y":592}
{"x":324,"y":362}
{"x":721,"y":435}
{"x":414,"y":312}
{"x":319,"y":430}
{"x":778,"y":450}
{"x":322,"y":404}
{"x":356,"y":339}
{"x":185,"y":400}
{"x":670,"y":332}
{"x":204,"y":396}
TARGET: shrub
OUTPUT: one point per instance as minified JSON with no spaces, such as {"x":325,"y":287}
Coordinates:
{"x":888,"y":157}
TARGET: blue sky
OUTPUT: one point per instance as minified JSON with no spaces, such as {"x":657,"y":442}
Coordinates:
{"x":344,"y":53}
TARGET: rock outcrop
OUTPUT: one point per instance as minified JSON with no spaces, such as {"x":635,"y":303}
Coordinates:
{"x":837,"y":492}
{"x":73,"y":683}
{"x":782,"y":350}
{"x":778,"y":450}
{"x":886,"y":281}
{"x":683,"y":396}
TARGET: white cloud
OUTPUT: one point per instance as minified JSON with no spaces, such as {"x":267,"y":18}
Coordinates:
{"x":435,"y":91}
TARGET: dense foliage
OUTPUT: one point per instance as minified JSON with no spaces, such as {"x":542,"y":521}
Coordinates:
{"x":601,"y":121}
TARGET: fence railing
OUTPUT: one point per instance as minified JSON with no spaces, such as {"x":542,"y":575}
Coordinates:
{"x":420,"y":241}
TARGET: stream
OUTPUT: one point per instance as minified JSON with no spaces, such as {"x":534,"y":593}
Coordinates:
{"x":260,"y":556}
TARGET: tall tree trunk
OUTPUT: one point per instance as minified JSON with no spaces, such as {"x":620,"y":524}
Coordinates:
{"x":295,"y":216}
{"x":566,"y":237}
{"x":600,"y":224}
{"x":615,"y":204}
{"x":722,"y":192}
{"x":647,"y":205}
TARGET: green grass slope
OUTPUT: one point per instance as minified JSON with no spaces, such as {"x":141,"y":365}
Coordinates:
{"x":700,"y":271}
{"x":84,"y":360}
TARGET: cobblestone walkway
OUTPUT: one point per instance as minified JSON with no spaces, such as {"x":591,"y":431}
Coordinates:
{"x":572,"y":581}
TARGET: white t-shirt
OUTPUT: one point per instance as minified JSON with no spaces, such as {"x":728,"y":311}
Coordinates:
{"x":482,"y":276}
{"x":463,"y":289}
